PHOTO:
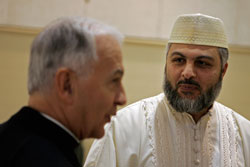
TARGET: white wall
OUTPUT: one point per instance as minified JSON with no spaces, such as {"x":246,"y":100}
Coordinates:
{"x":144,"y":18}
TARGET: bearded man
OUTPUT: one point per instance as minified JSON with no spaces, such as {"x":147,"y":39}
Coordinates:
{"x":184,"y":126}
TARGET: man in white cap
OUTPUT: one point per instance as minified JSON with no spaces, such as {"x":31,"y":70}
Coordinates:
{"x":184,"y":126}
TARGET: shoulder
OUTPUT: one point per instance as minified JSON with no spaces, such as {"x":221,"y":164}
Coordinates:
{"x":17,"y":128}
{"x":36,"y":150}
{"x":32,"y":150}
{"x":240,"y":118}
{"x":12,"y":133}
{"x":127,"y":132}
{"x":28,"y":143}
{"x":220,"y":107}
{"x":137,"y":108}
{"x":131,"y":122}
{"x":241,"y":121}
{"x":135,"y":113}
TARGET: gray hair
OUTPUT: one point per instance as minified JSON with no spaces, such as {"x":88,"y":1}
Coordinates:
{"x":66,"y":42}
{"x":223,"y":52}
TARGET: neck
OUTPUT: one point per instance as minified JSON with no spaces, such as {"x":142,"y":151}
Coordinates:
{"x":51,"y":105}
{"x":48,"y":105}
{"x":197,"y":116}
{"x":41,"y":103}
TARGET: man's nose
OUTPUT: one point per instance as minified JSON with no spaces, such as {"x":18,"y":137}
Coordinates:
{"x":188,"y":71}
{"x":121,"y":97}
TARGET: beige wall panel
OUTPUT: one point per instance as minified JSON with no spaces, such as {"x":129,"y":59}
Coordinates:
{"x":19,"y":12}
{"x":3,"y":11}
{"x":155,"y":18}
{"x":40,"y":12}
{"x":143,"y":18}
{"x":241,"y":29}
{"x":14,"y":51}
{"x":236,"y":86}
{"x":132,"y":17}
{"x":144,"y":69}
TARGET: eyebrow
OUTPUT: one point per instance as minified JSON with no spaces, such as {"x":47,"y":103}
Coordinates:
{"x":205,"y":57}
{"x":198,"y":57}
{"x":177,"y":53}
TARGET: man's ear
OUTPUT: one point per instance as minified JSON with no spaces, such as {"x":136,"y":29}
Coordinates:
{"x":64,"y":83}
{"x":224,"y":70}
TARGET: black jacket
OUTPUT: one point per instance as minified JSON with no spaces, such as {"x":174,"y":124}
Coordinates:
{"x":28,"y":139}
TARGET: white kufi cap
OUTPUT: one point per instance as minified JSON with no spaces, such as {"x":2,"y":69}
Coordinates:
{"x":199,"y":29}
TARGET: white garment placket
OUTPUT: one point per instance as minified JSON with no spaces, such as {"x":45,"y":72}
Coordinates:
{"x":196,"y":145}
{"x":196,"y":135}
{"x":186,"y":141}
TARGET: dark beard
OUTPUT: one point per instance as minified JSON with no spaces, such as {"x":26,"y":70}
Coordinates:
{"x":180,"y":104}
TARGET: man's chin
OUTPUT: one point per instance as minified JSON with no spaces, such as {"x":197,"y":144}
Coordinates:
{"x":98,"y":134}
{"x":188,"y":96}
{"x":192,"y":95}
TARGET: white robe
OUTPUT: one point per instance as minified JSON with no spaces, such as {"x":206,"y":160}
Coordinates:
{"x":149,"y":133}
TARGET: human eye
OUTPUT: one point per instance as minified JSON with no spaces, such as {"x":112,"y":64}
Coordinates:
{"x":116,"y":80}
{"x":203,"y":64}
{"x":178,"y":60}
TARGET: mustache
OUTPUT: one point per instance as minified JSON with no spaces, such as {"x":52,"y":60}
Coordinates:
{"x":189,"y":81}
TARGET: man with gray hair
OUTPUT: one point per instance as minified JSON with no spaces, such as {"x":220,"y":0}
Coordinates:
{"x":74,"y":86}
{"x":184,"y":126}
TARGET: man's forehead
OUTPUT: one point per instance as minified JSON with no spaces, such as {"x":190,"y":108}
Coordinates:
{"x":109,"y":55}
{"x":107,"y":43}
{"x":195,"y":51}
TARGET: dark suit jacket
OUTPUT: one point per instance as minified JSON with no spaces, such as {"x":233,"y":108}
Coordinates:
{"x":28,"y":139}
